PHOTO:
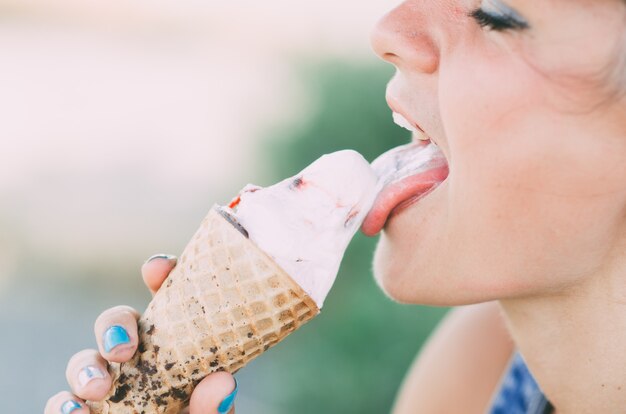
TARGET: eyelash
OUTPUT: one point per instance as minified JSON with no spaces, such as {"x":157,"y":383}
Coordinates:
{"x":498,"y":23}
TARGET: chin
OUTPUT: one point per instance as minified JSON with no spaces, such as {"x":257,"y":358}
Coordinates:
{"x":407,"y":260}
{"x":426,"y":280}
{"x":392,"y":276}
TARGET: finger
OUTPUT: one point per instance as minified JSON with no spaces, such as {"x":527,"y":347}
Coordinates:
{"x":214,"y":395}
{"x":65,"y":403}
{"x":87,"y":375}
{"x":116,"y":333}
{"x":155,"y":270}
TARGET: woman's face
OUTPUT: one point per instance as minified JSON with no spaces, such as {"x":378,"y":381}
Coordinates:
{"x":526,"y":111}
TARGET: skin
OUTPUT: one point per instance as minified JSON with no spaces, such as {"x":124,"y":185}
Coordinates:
{"x":532,"y":214}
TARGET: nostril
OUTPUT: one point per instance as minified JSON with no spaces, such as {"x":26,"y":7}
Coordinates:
{"x":413,"y":52}
{"x":391,"y":58}
{"x":405,"y":38}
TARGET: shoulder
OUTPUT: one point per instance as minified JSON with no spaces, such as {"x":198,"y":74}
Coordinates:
{"x":461,"y":365}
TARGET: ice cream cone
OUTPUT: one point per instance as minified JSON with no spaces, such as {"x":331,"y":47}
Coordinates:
{"x":224,"y":304}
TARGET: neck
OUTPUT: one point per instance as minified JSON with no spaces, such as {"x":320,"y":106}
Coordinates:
{"x":574,"y":341}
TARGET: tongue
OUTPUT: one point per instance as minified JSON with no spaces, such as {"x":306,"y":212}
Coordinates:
{"x":405,"y":174}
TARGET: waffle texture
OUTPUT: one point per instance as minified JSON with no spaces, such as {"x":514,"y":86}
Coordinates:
{"x":224,"y":304}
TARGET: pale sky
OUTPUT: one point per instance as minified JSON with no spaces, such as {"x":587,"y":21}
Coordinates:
{"x":123,"y":121}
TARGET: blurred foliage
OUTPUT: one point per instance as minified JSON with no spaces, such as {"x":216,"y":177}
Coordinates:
{"x":353,"y":357}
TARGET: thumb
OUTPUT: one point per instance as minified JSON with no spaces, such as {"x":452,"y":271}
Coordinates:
{"x":215,"y":394}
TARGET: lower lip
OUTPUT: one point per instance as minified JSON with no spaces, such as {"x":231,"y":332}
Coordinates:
{"x":397,"y":197}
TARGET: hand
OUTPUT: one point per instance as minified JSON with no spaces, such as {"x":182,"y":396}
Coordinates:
{"x":116,"y":335}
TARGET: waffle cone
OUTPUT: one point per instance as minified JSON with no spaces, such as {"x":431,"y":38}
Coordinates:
{"x":224,"y":304}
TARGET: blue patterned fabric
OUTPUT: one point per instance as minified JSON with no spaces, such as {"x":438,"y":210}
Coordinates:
{"x":519,"y":393}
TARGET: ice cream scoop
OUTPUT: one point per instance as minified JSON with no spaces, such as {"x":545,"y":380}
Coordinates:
{"x":306,"y":222}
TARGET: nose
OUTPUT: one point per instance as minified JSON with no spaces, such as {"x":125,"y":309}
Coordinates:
{"x":404,"y":38}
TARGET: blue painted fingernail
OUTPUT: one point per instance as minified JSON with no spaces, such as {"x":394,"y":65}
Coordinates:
{"x":161,"y":256}
{"x":69,"y":406}
{"x":114,"y":336}
{"x":228,"y":402}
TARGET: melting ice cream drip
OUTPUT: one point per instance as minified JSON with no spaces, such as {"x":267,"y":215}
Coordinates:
{"x":406,"y":160}
{"x":306,"y":222}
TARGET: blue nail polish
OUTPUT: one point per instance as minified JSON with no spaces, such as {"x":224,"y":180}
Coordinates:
{"x":161,"y":256}
{"x":228,"y":402}
{"x":114,"y":336}
{"x":69,"y":406}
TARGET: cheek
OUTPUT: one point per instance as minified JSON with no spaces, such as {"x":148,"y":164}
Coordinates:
{"x":479,"y":89}
{"x":527,"y":196}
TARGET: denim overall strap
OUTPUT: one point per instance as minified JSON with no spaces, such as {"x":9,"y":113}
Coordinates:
{"x":519,"y":392}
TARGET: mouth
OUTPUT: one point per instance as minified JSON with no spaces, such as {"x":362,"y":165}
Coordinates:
{"x":407,"y":174}
{"x":402,"y":121}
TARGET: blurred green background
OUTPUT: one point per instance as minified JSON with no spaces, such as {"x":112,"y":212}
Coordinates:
{"x":83,"y":203}
{"x":352,"y":358}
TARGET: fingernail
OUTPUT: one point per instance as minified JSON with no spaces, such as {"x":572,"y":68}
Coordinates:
{"x":161,"y":256}
{"x":88,"y":374}
{"x":69,"y":406}
{"x":114,"y":336}
{"x":228,"y":402}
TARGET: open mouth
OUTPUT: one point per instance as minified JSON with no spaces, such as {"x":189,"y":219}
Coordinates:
{"x":408,"y":174}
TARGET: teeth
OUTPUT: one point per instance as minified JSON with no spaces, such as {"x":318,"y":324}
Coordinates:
{"x":404,"y":123}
